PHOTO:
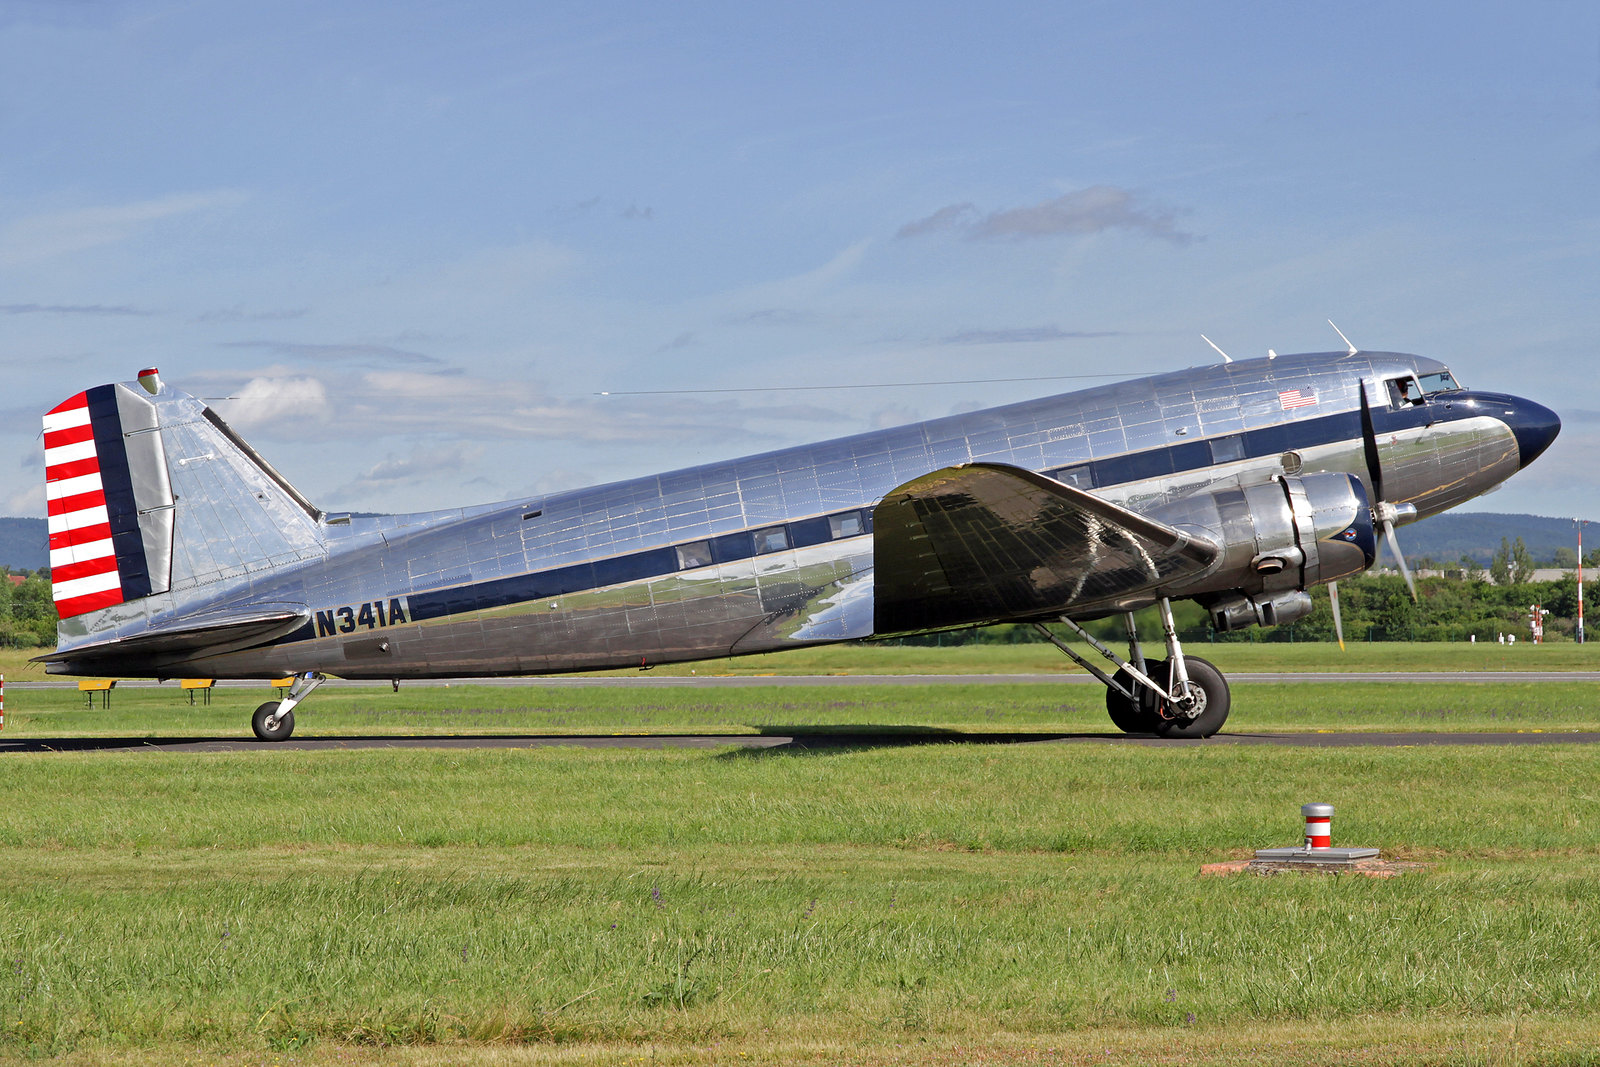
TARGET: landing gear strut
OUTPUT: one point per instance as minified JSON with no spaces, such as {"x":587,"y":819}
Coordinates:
{"x":274,"y":720}
{"x":1180,"y":696}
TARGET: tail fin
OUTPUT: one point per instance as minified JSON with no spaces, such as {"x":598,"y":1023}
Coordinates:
{"x":109,"y":499}
{"x":154,"y":500}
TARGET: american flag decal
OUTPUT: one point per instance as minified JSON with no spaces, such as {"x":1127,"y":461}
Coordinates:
{"x":1294,"y":398}
{"x":96,"y":558}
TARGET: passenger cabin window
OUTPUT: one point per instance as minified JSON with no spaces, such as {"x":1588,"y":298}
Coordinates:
{"x":1227,"y":449}
{"x":1405,"y":392}
{"x":772,"y":539}
{"x":696,"y":554}
{"x":846,"y":525}
{"x":1079,"y":477}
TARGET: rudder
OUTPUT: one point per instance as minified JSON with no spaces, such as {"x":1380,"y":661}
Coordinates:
{"x":109,"y":500}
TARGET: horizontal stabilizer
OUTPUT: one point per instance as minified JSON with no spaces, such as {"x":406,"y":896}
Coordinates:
{"x":987,"y":542}
{"x":192,"y":636}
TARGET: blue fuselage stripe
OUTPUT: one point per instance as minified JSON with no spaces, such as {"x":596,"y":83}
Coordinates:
{"x":803,"y":533}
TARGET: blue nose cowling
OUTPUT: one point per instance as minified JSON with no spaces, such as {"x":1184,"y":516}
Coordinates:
{"x":1534,"y":426}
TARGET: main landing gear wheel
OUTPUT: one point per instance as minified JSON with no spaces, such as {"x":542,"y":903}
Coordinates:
{"x":1137,"y":708}
{"x":1152,"y":714}
{"x":269,"y":725}
{"x":1207,"y":688}
{"x":1137,"y":715}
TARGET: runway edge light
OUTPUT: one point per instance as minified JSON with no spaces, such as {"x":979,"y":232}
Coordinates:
{"x":1318,"y":850}
{"x":1319,"y":825}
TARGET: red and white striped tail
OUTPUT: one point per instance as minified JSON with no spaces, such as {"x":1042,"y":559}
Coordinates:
{"x":83,"y":558}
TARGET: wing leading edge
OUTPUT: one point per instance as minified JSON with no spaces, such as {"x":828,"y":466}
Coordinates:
{"x":986,"y":542}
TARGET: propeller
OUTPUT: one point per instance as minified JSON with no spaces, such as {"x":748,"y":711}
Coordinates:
{"x":1383,"y":512}
{"x":1338,"y":623}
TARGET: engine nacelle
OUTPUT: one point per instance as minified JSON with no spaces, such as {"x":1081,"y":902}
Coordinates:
{"x":1278,"y":538}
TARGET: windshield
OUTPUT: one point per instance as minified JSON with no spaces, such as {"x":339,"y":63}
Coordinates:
{"x":1437,"y":383}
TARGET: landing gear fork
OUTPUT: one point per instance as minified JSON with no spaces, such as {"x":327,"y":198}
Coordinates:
{"x":274,"y":720}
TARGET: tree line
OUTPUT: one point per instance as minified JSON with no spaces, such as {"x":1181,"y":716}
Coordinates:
{"x":27,"y":610}
{"x":1459,"y":604}
{"x":1466,"y":600}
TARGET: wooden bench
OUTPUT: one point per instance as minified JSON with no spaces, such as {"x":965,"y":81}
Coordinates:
{"x":197,"y":685}
{"x":91,"y":686}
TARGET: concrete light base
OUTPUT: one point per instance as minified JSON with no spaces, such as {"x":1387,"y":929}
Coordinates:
{"x":1317,"y":859}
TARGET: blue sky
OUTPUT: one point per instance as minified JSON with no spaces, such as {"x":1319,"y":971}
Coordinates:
{"x":416,"y":240}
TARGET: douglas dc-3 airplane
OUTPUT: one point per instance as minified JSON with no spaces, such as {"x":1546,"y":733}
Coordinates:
{"x":177,"y":551}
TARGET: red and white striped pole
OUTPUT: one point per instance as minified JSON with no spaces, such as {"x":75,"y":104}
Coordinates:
{"x":1319,"y":825}
{"x":1580,"y":523}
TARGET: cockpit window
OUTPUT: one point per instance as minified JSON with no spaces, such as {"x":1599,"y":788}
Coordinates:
{"x":1405,"y":392}
{"x":1441,"y":382}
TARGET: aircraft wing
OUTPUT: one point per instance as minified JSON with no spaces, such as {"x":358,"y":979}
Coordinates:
{"x":986,"y":542}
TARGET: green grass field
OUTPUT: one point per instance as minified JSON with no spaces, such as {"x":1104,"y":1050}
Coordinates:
{"x":932,"y":709}
{"x":939,"y":903}
{"x":1232,"y":657}
{"x":760,"y":905}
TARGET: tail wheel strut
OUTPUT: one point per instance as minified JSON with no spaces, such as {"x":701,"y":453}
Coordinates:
{"x":274,"y":720}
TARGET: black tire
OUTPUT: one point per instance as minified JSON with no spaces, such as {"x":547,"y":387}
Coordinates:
{"x":1137,"y":716}
{"x":280,"y":731}
{"x":1215,"y":688}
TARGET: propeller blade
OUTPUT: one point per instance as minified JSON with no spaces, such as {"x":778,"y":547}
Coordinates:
{"x":1338,"y":623}
{"x":1369,"y":446}
{"x":1383,"y":511}
{"x":1400,"y":560}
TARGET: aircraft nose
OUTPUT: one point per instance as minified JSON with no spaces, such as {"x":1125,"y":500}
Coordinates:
{"x":1534,"y":426}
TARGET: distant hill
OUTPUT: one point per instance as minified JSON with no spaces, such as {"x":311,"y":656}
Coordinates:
{"x":24,"y":544}
{"x":1444,"y":538}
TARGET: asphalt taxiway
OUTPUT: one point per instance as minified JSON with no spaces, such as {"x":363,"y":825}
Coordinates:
{"x":646,"y":680}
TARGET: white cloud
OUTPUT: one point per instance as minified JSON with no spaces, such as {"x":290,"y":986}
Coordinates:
{"x":272,"y":401}
{"x":426,"y":462}
{"x":1018,"y":335}
{"x":29,"y":501}
{"x":357,"y":352}
{"x":1093,"y":210}
{"x":48,"y":236}
{"x":893,"y":415}
{"x":403,"y":403}
{"x":949,"y":217}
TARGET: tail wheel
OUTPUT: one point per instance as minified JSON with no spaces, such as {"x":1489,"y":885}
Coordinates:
{"x":269,"y":725}
{"x":1137,"y":715}
{"x":1210,"y":691}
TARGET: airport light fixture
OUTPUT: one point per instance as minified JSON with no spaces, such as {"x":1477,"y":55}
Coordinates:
{"x":1580,"y":523}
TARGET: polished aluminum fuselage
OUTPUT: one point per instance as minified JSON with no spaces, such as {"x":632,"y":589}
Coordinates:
{"x":615,"y":576}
